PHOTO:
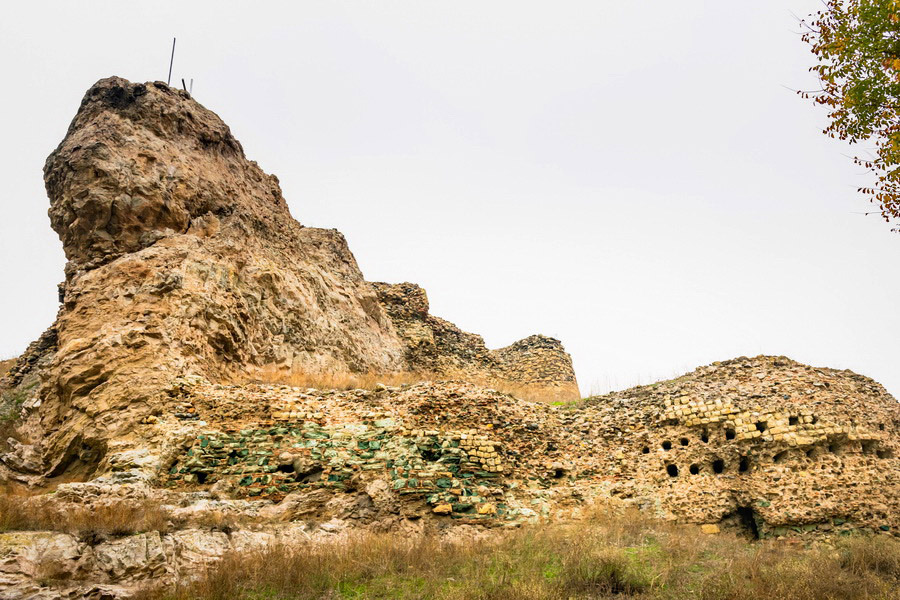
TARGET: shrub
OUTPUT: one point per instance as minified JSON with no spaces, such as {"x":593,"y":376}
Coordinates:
{"x":19,"y":511}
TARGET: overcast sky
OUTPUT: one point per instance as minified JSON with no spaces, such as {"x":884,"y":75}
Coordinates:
{"x":635,"y":178}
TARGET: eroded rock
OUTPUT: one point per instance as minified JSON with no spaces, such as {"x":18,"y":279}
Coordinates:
{"x":183,"y":263}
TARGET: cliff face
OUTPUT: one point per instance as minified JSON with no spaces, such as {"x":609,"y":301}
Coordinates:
{"x":183,"y":259}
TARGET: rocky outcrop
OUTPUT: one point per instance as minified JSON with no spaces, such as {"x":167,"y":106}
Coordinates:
{"x":433,"y":345}
{"x":38,"y":353}
{"x":40,"y":565}
{"x":183,"y":260}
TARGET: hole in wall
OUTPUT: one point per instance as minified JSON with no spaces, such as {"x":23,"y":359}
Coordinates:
{"x":793,"y":420}
{"x":744,"y":465}
{"x":814,"y":452}
{"x":683,"y":441}
{"x":312,"y":475}
{"x":869,"y":446}
{"x":837,"y":447}
{"x":672,"y":470}
{"x":288,"y":468}
{"x":694,"y":469}
{"x":815,"y":419}
{"x":645,"y":450}
{"x":667,"y":445}
{"x":729,"y":434}
{"x":781,"y":456}
{"x":704,"y":437}
{"x":748,"y":521}
{"x":885,"y":454}
{"x":718,"y":466}
{"x":762,"y":425}
{"x":881,"y":427}
{"x":431,"y":455}
{"x":201,"y":477}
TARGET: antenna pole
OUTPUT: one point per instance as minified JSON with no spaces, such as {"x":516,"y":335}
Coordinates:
{"x":171,"y":60}
{"x":191,"y":89}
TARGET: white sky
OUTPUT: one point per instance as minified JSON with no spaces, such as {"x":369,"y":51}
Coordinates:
{"x":634,"y":178}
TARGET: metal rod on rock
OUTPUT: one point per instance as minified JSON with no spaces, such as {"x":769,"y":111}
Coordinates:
{"x":171,"y":60}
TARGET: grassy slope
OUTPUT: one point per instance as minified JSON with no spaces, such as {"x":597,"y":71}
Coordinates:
{"x":623,"y":557}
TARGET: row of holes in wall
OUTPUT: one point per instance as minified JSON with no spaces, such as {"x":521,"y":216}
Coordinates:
{"x":718,"y":465}
{"x":762,"y":426}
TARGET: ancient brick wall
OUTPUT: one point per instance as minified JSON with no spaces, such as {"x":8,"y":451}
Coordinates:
{"x":764,"y":446}
{"x":292,"y":443}
{"x":764,"y":443}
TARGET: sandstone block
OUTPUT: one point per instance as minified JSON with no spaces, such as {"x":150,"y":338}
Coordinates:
{"x":444,"y":508}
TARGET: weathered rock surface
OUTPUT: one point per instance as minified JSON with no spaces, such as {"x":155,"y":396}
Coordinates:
{"x":183,"y":259}
{"x":439,"y":347}
{"x":44,"y":565}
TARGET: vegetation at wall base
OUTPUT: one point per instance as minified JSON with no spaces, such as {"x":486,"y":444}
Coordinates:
{"x":622,"y":557}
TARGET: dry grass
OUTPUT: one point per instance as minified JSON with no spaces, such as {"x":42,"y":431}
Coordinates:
{"x":875,"y":555}
{"x":6,"y":365}
{"x":369,"y":381}
{"x":602,"y":558}
{"x":23,"y":512}
{"x":335,"y":381}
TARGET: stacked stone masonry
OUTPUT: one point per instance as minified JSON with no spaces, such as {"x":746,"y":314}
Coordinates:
{"x":716,"y":446}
